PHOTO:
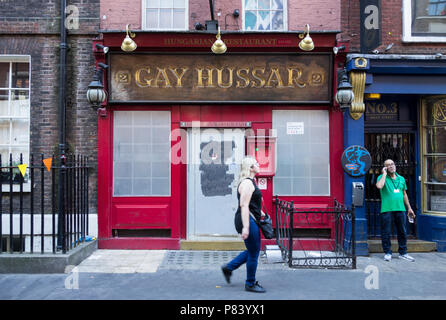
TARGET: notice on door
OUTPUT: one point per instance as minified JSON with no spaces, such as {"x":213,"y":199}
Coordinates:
{"x":262,"y":183}
{"x":295,"y":128}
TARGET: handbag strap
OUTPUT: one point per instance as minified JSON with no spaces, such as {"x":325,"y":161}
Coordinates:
{"x":264,"y":207}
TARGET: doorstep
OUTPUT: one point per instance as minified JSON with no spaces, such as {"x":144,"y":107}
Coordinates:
{"x":216,"y":245}
{"x":375,"y":246}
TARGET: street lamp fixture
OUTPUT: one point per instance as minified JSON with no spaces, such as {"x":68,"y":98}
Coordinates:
{"x":128,"y":45}
{"x":219,"y":46}
{"x":344,"y":94}
{"x":95,"y":93}
{"x":306,"y":44}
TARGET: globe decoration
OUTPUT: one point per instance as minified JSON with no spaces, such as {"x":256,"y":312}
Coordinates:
{"x":356,"y":161}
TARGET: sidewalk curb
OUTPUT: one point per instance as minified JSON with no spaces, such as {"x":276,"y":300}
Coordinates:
{"x":45,"y":263}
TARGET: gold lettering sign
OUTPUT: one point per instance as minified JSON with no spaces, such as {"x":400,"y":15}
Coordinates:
{"x":378,"y":110}
{"x":235,"y":78}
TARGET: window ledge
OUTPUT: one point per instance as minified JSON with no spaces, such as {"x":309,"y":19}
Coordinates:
{"x":412,"y":39}
{"x":435,"y":213}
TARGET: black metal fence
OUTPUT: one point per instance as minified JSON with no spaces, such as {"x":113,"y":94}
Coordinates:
{"x":36,"y":218}
{"x":338,"y":251}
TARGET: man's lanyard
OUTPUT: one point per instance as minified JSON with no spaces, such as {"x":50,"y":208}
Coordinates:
{"x":395,"y":187}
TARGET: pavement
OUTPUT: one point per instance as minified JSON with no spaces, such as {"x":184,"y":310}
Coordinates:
{"x":196,"y":275}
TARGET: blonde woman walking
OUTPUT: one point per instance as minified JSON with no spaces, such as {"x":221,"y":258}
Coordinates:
{"x":250,"y":200}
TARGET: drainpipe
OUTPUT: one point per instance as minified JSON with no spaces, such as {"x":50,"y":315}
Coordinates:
{"x":211,"y":25}
{"x":211,"y":6}
{"x":61,"y":241}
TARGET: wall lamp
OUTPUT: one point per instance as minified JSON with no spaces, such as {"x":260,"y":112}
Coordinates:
{"x":337,"y":49}
{"x":219,"y":46}
{"x":128,"y":45}
{"x":95,"y":93}
{"x":101,"y":47}
{"x":344,"y":94}
{"x":306,"y":44}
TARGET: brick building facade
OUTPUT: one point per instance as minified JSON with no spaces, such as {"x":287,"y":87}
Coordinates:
{"x":30,"y":36}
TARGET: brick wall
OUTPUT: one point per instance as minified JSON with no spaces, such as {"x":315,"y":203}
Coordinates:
{"x":320,"y":14}
{"x":115,"y":15}
{"x":391,"y":29}
{"x":33,"y":28}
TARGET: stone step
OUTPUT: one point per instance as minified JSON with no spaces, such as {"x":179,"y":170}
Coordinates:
{"x":375,"y":246}
{"x":238,"y":245}
{"x":224,"y":245}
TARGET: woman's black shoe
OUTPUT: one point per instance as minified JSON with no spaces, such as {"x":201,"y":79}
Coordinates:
{"x":227,"y":273}
{"x":256,"y":287}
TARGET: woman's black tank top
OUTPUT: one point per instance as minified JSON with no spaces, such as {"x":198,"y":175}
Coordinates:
{"x":255,"y":207}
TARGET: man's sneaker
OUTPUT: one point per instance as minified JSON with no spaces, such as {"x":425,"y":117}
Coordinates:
{"x":227,"y":273}
{"x":256,"y":287}
{"x":387,"y":257}
{"x":406,"y":257}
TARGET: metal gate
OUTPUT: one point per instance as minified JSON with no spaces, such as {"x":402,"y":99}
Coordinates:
{"x":400,"y":147}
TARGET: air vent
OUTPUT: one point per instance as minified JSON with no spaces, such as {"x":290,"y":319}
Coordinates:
{"x":142,"y":233}
{"x":311,"y":233}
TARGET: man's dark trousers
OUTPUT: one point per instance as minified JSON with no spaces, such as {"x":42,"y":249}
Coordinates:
{"x":399,"y":219}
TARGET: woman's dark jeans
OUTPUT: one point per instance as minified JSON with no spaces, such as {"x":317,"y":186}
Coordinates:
{"x":249,"y":256}
{"x":399,"y":219}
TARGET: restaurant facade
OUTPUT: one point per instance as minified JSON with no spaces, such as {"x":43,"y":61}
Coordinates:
{"x":178,"y":119}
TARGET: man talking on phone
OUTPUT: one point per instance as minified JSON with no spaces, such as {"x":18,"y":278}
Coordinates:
{"x":394,"y":201}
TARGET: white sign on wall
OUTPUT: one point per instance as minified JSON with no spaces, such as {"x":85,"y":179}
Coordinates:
{"x":262,"y":183}
{"x":295,"y":128}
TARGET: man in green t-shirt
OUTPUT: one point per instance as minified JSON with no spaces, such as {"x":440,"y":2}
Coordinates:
{"x":394,"y":201}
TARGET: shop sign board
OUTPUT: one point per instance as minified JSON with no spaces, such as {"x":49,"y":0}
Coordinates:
{"x":381,"y":110}
{"x":229,"y":78}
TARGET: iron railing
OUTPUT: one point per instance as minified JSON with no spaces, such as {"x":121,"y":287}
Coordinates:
{"x":30,"y":219}
{"x":336,"y":252}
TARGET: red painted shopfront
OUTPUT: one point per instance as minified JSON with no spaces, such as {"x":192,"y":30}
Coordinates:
{"x":179,"y":118}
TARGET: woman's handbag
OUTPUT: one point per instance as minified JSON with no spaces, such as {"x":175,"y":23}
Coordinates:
{"x":266,"y":225}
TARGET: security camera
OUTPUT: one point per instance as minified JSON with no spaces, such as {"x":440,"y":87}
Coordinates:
{"x":101,"y":47}
{"x":103,"y":65}
{"x":337,"y":49}
{"x":236,"y":13}
{"x":388,"y":47}
{"x":198,"y":26}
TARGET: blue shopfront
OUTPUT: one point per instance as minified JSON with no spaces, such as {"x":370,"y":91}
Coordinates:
{"x":399,"y":112}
